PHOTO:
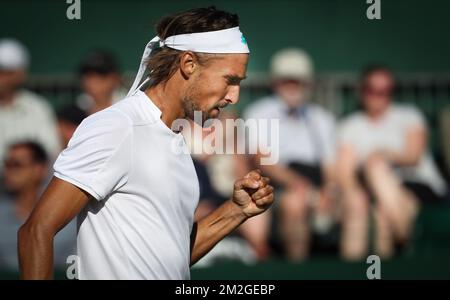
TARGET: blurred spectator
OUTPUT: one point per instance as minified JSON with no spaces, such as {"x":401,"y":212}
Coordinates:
{"x":216,"y":174}
{"x":225,"y":169}
{"x":23,"y":114}
{"x":306,"y":151}
{"x":68,"y":120}
{"x":383,"y":156}
{"x":209,"y":198}
{"x":231,"y":248}
{"x":445,"y":133}
{"x":100,"y":81}
{"x":26,"y":167}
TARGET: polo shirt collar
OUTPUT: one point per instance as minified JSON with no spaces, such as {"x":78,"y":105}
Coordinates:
{"x":150,"y":109}
{"x":296,"y":113}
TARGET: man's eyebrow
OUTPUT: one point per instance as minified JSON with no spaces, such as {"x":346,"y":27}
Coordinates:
{"x":234,"y":78}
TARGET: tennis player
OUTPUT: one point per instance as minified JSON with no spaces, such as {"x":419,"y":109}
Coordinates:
{"x":134,"y":195}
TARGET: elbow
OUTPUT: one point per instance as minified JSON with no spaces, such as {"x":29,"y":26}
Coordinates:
{"x":412,"y":160}
{"x":415,"y":159}
{"x":24,"y":234}
{"x":33,"y":242}
{"x":32,"y":233}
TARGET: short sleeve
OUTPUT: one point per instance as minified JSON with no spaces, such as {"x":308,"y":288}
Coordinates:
{"x":413,"y":118}
{"x":98,"y":157}
{"x":348,"y":130}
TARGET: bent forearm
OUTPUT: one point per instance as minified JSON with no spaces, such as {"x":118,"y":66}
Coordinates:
{"x":416,"y":142}
{"x":213,"y":228}
{"x":35,"y":248}
{"x":408,"y":158}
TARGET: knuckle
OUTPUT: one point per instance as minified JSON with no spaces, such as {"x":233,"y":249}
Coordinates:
{"x":237,"y":184}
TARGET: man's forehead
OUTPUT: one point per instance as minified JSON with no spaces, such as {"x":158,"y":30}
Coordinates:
{"x":243,"y":57}
{"x":234,"y":64}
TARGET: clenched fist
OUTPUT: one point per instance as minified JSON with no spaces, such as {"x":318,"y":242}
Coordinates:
{"x":253,"y":194}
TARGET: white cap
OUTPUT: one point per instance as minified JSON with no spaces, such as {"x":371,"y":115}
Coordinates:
{"x":13,"y":55}
{"x":292,"y":63}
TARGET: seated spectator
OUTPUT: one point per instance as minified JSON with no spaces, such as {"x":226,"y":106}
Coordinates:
{"x":444,"y":123}
{"x":224,"y":170}
{"x":209,"y":199}
{"x":217,"y":173}
{"x":100,"y":82}
{"x":25,"y":171}
{"x":304,"y":172}
{"x":68,"y":120}
{"x":23,"y":114}
{"x":383,"y":157}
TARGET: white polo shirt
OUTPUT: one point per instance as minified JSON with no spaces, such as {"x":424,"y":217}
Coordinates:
{"x":139,"y":224}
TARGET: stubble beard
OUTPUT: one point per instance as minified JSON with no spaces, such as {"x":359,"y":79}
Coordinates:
{"x":190,"y":106}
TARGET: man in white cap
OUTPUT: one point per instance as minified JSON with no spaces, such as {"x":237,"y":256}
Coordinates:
{"x":23,"y":114}
{"x":306,"y":151}
{"x":126,"y":170}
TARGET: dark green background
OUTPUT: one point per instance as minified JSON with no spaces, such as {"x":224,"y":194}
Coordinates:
{"x":411,"y":36}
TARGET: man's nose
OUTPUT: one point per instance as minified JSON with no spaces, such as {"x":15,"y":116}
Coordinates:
{"x":233,"y":94}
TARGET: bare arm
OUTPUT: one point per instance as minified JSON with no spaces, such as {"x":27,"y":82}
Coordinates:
{"x":59,"y":204}
{"x":416,"y":141}
{"x":252,"y":195}
{"x":346,"y":166}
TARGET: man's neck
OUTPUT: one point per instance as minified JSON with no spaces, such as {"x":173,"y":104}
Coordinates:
{"x":377,"y":115}
{"x":6,"y":98}
{"x":167,"y":97}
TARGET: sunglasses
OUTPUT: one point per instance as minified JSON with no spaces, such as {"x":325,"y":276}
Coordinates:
{"x":371,"y":91}
{"x":14,"y":164}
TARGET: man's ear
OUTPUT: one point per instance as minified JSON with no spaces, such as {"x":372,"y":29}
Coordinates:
{"x":188,"y":64}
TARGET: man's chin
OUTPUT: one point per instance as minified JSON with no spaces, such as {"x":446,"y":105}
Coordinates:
{"x":200,"y":119}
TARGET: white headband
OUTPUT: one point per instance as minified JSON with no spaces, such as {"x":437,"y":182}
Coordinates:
{"x":221,"y":41}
